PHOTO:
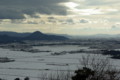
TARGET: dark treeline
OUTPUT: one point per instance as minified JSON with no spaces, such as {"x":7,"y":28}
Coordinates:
{"x":26,"y":78}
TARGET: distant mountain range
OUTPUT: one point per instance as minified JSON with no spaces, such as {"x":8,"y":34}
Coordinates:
{"x":40,"y":36}
{"x":14,"y":34}
{"x":96,"y":36}
{"x":7,"y":37}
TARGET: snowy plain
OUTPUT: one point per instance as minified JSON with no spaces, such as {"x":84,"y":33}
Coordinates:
{"x":35,"y":64}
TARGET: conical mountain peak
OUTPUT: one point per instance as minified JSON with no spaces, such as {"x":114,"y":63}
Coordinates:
{"x":37,"y":32}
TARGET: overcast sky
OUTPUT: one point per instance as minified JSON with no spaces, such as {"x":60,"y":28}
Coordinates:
{"x":73,"y":17}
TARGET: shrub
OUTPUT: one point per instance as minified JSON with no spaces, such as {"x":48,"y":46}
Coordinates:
{"x":83,"y":74}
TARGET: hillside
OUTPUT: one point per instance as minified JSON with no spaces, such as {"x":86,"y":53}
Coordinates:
{"x":7,"y":37}
{"x":40,"y":36}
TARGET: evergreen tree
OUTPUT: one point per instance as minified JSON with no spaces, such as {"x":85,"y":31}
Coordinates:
{"x":83,"y":74}
{"x":26,"y":78}
{"x":17,"y":79}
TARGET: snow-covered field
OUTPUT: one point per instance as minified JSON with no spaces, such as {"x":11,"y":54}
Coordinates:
{"x":35,"y":64}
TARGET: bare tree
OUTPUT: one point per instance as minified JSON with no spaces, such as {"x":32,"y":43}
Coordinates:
{"x":101,"y":66}
{"x":58,"y":75}
{"x":97,"y":68}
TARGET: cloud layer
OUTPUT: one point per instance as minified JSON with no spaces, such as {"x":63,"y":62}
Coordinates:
{"x":15,"y":9}
{"x":61,"y":16}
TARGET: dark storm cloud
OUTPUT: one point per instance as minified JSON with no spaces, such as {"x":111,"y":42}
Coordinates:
{"x":10,"y":14}
{"x":15,"y":9}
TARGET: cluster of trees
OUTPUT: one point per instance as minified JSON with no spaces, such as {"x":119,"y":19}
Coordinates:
{"x":113,"y":53}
